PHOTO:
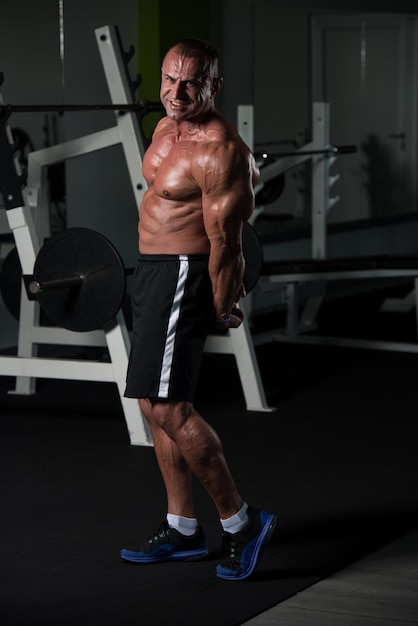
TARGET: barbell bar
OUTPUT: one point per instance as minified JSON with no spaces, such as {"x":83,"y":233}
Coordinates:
{"x":273,"y":188}
{"x":328,"y":151}
{"x":36,"y":288}
{"x":141,"y":106}
{"x":79,"y":278}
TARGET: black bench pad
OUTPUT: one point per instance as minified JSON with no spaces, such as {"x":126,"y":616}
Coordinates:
{"x":348,"y":264}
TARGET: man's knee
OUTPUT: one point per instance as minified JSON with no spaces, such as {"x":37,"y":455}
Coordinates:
{"x":167,"y":415}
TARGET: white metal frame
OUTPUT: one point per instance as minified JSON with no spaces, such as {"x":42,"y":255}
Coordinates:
{"x":26,"y":225}
{"x":301,"y":314}
{"x":321,"y":163}
{"x":27,"y":366}
{"x":321,"y":202}
{"x":298,"y":324}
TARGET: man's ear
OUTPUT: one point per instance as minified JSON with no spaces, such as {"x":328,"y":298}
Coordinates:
{"x":216,"y":85}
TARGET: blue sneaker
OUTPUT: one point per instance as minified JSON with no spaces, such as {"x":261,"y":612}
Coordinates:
{"x":167,"y":544}
{"x":241,"y":552}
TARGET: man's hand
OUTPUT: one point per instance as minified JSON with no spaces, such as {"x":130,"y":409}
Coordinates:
{"x":231,"y":321}
{"x":237,"y":317}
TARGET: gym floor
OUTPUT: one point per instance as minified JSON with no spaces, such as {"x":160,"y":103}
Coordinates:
{"x":379,"y":589}
{"x":336,"y":461}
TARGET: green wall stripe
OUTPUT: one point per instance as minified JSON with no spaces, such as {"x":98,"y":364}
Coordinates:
{"x":160,"y":22}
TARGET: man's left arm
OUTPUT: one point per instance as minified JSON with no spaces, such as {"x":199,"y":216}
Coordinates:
{"x":227,"y":203}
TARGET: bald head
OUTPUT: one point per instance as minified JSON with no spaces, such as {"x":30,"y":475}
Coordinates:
{"x":198,"y":49}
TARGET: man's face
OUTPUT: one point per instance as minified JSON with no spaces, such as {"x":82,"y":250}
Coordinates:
{"x":186,"y":93}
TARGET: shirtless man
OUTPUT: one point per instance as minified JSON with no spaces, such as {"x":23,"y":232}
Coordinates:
{"x":201,"y":179}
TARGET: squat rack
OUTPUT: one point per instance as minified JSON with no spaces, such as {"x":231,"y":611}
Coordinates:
{"x":291,"y":276}
{"x":25,"y":213}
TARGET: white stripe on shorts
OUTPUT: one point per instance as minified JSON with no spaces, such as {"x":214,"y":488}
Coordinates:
{"x":172,"y":325}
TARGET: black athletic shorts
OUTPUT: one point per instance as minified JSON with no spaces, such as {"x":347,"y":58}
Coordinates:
{"x":171,"y":305}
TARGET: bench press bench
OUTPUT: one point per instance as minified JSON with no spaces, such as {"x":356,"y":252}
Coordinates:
{"x":300,"y":319}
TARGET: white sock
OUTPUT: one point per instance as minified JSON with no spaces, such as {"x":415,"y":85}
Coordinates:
{"x":237,"y":522}
{"x":185,"y":525}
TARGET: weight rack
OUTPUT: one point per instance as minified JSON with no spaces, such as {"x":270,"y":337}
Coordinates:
{"x":21,"y":209}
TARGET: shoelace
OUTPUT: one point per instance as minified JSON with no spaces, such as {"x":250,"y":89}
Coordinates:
{"x":162,"y":533}
{"x":231,"y":550}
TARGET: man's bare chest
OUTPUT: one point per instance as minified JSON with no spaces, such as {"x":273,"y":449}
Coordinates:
{"x":168,"y":167}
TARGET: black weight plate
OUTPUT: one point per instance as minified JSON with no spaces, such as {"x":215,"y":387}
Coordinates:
{"x":253,"y":255}
{"x":11,"y":282}
{"x":74,"y":252}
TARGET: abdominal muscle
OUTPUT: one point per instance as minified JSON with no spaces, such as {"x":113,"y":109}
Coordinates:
{"x":169,"y":227}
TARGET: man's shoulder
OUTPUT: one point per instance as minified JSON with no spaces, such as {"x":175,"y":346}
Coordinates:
{"x":221,"y":143}
{"x":218,"y":128}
